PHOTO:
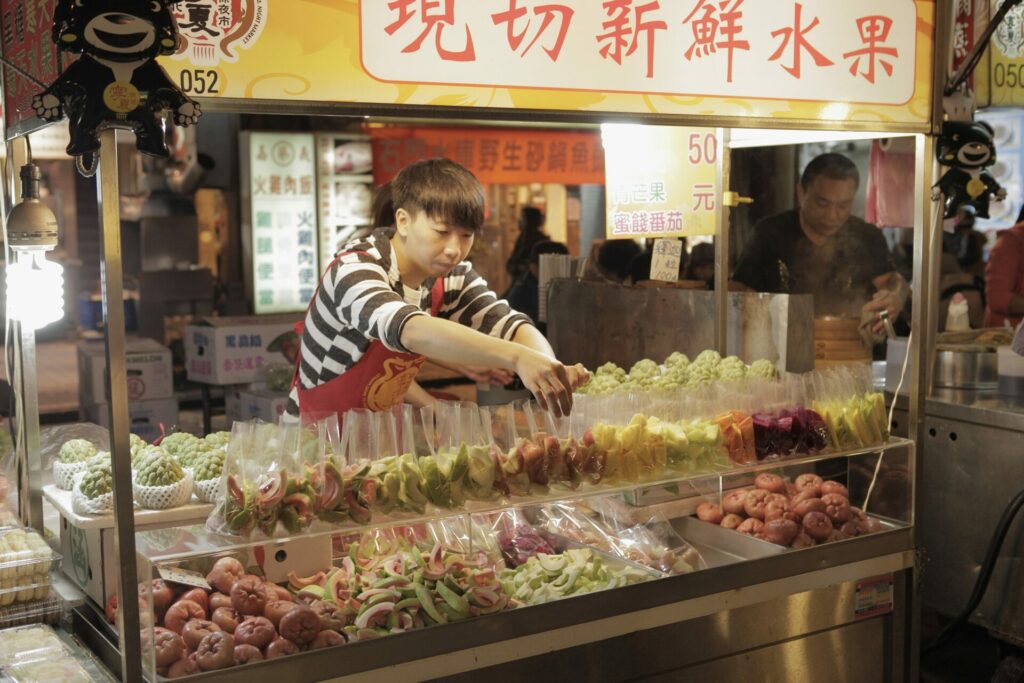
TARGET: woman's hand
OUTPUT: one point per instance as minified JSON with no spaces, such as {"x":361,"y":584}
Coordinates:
{"x":548,"y":380}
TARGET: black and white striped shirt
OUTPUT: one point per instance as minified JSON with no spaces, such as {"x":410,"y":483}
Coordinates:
{"x":361,"y":299}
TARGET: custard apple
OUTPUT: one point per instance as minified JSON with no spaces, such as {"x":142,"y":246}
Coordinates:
{"x":732,"y":368}
{"x":217,"y":439}
{"x":157,"y":467}
{"x":209,"y":464}
{"x":642,"y":369}
{"x":76,"y":450}
{"x":611,"y":369}
{"x":98,"y":478}
{"x":709,"y":357}
{"x":677,"y":360}
{"x":763,"y":368}
{"x":187,"y":449}
{"x":136,"y":443}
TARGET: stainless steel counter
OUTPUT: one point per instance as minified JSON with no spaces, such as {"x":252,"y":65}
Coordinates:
{"x":987,"y":408}
{"x":971,"y":469}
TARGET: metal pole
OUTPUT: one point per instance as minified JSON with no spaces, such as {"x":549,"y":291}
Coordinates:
{"x":32,"y":508}
{"x":111,"y":278}
{"x":722,"y":244}
{"x":924,"y":321}
{"x":30,"y":475}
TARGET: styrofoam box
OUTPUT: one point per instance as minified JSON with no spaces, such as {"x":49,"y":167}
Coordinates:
{"x":150,"y":373}
{"x":145,"y":417}
{"x":260,"y":403}
{"x":234,"y":350}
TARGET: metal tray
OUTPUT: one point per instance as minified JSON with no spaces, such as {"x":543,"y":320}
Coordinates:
{"x":723,"y":546}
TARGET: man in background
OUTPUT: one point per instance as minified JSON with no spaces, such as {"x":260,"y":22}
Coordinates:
{"x":819,"y":248}
{"x":531,"y":222}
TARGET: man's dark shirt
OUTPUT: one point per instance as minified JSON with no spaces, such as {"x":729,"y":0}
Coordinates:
{"x":840,"y":274}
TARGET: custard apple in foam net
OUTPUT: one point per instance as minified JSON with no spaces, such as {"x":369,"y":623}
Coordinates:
{"x":157,"y":467}
{"x":76,"y":450}
{"x":98,"y":478}
{"x":209,"y":464}
{"x":179,"y":441}
{"x":188,"y":451}
{"x":763,"y":368}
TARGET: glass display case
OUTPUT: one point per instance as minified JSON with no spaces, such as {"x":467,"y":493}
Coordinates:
{"x":356,"y":597}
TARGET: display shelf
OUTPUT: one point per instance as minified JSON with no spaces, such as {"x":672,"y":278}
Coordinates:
{"x":197,"y":540}
{"x":61,"y":500}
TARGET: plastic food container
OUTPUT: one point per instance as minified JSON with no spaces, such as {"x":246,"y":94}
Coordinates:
{"x":25,"y":565}
{"x":29,"y":644}
{"x":49,"y":610}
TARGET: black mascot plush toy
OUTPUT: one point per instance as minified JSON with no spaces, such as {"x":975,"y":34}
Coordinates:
{"x":116,"y":82}
{"x":968,"y":149}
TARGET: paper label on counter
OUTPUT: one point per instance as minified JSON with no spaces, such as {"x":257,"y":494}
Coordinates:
{"x":665,"y":260}
{"x":184,"y":577}
{"x":874,"y":597}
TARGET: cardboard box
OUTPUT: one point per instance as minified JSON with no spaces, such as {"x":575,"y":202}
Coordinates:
{"x":92,"y":562}
{"x":150,"y":373}
{"x":235,"y":350}
{"x":260,"y":404}
{"x":145,"y":417}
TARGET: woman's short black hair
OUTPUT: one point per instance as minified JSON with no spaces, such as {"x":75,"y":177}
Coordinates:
{"x":832,"y":166}
{"x":443,"y":190}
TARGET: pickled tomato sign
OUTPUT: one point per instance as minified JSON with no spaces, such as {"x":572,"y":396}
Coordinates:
{"x":660,"y":181}
{"x":831,"y":50}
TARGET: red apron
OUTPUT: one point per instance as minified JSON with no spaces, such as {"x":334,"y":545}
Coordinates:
{"x":378,"y":380}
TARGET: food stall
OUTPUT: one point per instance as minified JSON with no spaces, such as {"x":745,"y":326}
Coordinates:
{"x":745,"y":608}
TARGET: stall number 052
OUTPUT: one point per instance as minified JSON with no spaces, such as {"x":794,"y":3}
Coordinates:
{"x":200,"y":81}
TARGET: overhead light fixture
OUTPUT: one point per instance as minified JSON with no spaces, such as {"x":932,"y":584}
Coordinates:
{"x":35,"y":286}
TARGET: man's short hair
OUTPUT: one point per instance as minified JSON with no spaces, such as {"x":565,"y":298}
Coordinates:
{"x":531,"y":218}
{"x":443,"y":190}
{"x":546,"y":247}
{"x":832,"y":166}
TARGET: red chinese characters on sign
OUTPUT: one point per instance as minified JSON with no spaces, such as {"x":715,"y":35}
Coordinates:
{"x":548,"y":15}
{"x":716,"y":28}
{"x":874,"y":31}
{"x":623,"y":32}
{"x":27,"y":44}
{"x":494,"y":156}
{"x":963,"y":32}
{"x":435,"y":16}
{"x":795,"y":37}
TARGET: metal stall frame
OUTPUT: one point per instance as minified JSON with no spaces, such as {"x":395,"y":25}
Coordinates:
{"x":640,"y":606}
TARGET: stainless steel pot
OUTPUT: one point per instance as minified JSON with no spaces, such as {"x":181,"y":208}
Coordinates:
{"x":966,"y":367}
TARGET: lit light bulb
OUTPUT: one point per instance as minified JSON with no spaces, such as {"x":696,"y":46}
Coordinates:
{"x":35,"y":289}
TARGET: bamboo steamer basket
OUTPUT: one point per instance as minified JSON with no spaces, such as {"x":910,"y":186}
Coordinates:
{"x":837,"y":341}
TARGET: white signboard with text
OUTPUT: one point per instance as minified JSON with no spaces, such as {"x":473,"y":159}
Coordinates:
{"x":842,"y":52}
{"x":283,"y":221}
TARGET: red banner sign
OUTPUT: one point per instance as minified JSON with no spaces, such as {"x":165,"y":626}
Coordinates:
{"x":495,"y":156}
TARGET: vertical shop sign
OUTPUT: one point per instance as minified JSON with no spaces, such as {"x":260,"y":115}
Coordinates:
{"x":27,"y":44}
{"x":283,"y":230}
{"x":345,"y":166}
{"x":660,"y":181}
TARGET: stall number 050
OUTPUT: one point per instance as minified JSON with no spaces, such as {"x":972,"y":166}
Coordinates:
{"x":200,"y":81}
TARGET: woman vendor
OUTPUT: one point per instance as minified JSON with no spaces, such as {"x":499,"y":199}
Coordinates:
{"x":389,"y":301}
